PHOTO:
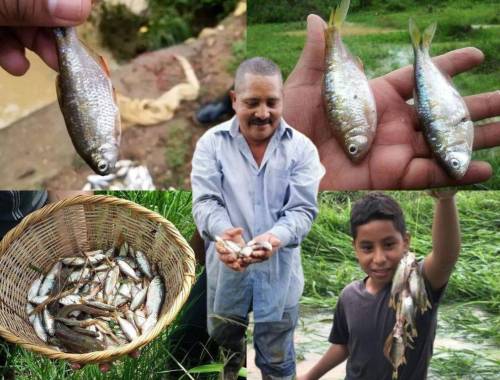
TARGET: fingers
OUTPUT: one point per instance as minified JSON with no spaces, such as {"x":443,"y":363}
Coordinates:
{"x":104,"y":367}
{"x":425,"y":173}
{"x":487,"y":136}
{"x":44,"y":12}
{"x":76,"y":366}
{"x":451,"y":63}
{"x":41,"y":41}
{"x":233,"y":232}
{"x":483,"y":106}
{"x":12,"y":58}
{"x":310,"y":65}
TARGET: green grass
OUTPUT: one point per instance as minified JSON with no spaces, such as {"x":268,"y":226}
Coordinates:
{"x":384,"y":52}
{"x":470,"y":310}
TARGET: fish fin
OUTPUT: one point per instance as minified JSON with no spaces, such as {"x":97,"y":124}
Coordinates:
{"x":104,"y":64}
{"x":428,"y":35}
{"x":395,"y":374}
{"x":330,"y":20}
{"x":338,"y":15}
{"x":414,"y":33}
{"x":388,"y":347}
{"x":58,"y":90}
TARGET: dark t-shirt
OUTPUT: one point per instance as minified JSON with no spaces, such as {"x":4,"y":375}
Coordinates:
{"x":15,"y":205}
{"x":362,"y":321}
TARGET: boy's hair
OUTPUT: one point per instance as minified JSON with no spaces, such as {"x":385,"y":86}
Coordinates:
{"x":377,"y":206}
{"x":257,"y":66}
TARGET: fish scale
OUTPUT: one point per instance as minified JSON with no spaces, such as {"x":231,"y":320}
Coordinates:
{"x":86,"y":99}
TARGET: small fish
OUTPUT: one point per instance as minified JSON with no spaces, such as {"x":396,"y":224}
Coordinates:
{"x":139,"y":299}
{"x":128,"y":329}
{"x":76,"y":342}
{"x":79,"y":275}
{"x":39,"y":330}
{"x":50,"y":280}
{"x":39,"y":299}
{"x":408,"y":311}
{"x":443,"y":114}
{"x":73,"y":261}
{"x":139,"y":318}
{"x":143,"y":264}
{"x":111,"y":280}
{"x":127,"y":270}
{"x":48,"y":321}
{"x":29,"y":312}
{"x":88,"y":103}
{"x":150,"y":323}
{"x":100,"y":305}
{"x":394,"y":351}
{"x":154,"y":297}
{"x":35,"y":287}
{"x":348,"y":98}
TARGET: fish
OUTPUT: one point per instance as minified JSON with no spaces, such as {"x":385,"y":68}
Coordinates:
{"x":154,"y":296}
{"x":88,"y":103}
{"x":76,"y":342}
{"x":127,"y":270}
{"x":408,"y":311}
{"x":149,"y":323}
{"x":128,"y":329}
{"x":48,"y":321}
{"x":139,"y":299}
{"x":39,"y":329}
{"x":348,"y":98}
{"x":35,"y":287}
{"x":50,"y":279}
{"x":143,"y":264}
{"x":442,"y":112}
{"x":111,"y":281}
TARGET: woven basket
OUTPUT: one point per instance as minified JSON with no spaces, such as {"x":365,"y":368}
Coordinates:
{"x":87,"y":223}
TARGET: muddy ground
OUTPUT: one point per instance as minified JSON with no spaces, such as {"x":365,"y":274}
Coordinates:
{"x":36,"y":151}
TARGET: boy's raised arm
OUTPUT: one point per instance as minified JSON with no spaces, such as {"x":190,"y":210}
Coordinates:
{"x":445,"y":240}
{"x":335,"y":355}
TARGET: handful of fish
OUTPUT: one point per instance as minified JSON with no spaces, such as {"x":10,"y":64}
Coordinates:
{"x":408,"y":295}
{"x":443,"y":114}
{"x":349,"y":101}
{"x":96,"y":300}
{"x":246,"y":250}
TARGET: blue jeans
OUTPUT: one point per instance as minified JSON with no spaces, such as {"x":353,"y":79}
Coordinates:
{"x":273,"y":341}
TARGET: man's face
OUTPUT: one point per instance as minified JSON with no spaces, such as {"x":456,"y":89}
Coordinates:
{"x":379,"y":247}
{"x":258,"y":106}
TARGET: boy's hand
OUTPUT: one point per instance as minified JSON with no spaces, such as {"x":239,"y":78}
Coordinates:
{"x":228,"y":257}
{"x":442,"y":194}
{"x":262,"y":253}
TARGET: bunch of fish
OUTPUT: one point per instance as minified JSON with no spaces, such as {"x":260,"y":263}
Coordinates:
{"x":88,"y":102}
{"x":408,"y":295}
{"x":128,"y":176}
{"x":246,"y":250}
{"x":349,"y":101}
{"x":96,"y":300}
{"x":445,"y":118}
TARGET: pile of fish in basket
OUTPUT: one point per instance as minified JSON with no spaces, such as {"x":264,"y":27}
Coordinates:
{"x":96,"y":300}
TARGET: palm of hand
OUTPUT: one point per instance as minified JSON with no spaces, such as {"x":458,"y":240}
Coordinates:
{"x":399,"y":157}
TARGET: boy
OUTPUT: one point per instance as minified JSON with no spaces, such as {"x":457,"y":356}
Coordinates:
{"x":363,"y":319}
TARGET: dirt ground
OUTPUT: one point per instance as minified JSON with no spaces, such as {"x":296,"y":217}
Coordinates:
{"x":36,"y":151}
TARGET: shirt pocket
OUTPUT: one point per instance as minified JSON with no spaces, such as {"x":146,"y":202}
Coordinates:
{"x":278,"y":181}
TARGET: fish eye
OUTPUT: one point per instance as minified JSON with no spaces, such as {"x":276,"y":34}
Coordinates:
{"x":102,"y":166}
{"x":455,"y":163}
{"x":353,"y":149}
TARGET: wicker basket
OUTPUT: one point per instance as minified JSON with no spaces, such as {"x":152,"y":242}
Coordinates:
{"x":86,"y":223}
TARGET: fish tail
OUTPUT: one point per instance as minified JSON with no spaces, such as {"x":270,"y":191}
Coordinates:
{"x":414,"y":33}
{"x":418,"y":40}
{"x":338,"y":15}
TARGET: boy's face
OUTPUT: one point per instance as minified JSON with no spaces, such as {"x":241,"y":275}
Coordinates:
{"x":379,"y":247}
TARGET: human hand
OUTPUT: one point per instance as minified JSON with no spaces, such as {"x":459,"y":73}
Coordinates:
{"x":227,"y":256}
{"x":262,"y":253}
{"x":25,"y":24}
{"x":399,"y":157}
{"x":104,"y":367}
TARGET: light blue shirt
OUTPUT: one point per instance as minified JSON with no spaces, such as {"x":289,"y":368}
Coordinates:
{"x":280,"y":197}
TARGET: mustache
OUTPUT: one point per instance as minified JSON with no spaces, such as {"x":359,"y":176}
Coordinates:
{"x":258,"y":121}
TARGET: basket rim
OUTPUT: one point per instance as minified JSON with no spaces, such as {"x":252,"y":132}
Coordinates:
{"x":113,"y":353}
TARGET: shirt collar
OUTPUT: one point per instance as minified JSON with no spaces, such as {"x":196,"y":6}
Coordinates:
{"x":232,"y":127}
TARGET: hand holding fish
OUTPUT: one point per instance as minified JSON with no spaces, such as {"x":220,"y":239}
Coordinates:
{"x":25,"y":25}
{"x":226,"y":255}
{"x":264,"y":246}
{"x":399,"y":157}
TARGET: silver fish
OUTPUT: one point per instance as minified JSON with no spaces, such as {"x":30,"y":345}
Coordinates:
{"x":29,"y":312}
{"x":443,"y":114}
{"x":73,"y":261}
{"x":349,"y":102}
{"x":139,"y":299}
{"x":79,"y":275}
{"x":139,"y":318}
{"x":39,"y":330}
{"x":39,"y":299}
{"x":155,"y":296}
{"x":128,"y":329}
{"x":50,"y":280}
{"x":35,"y":287}
{"x":127,"y":270}
{"x":111,"y":281}
{"x":143,"y":264}
{"x":48,"y":321}
{"x":70,"y":299}
{"x":150,"y":323}
{"x":88,"y":103}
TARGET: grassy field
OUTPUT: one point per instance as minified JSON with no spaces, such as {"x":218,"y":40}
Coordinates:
{"x":471,"y":306}
{"x":380,"y":38}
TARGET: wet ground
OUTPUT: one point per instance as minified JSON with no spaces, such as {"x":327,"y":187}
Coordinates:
{"x":311,"y":341}
{"x":36,"y":150}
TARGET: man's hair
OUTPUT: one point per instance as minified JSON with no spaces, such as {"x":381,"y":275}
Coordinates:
{"x":255,"y":66}
{"x":377,"y":206}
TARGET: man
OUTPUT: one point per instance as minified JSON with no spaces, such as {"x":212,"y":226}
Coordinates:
{"x":255,"y":178}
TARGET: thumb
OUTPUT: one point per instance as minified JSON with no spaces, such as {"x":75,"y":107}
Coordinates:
{"x":234,"y":231}
{"x":44,"y":12}
{"x":311,"y":61}
{"x":275,"y":242}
